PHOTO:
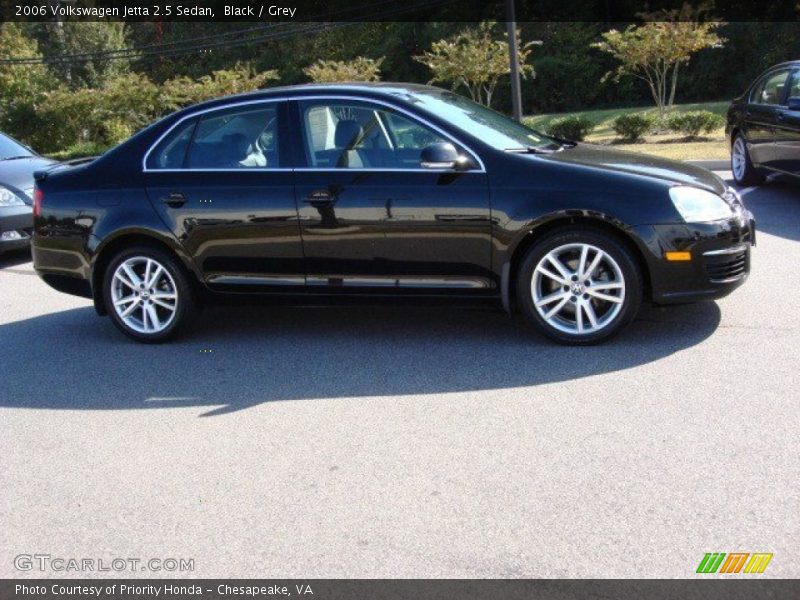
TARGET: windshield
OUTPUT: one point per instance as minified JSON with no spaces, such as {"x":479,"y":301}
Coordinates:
{"x":10,"y":148}
{"x":492,"y":127}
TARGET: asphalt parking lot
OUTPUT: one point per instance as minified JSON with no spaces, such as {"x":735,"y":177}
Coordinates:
{"x":418,"y":442}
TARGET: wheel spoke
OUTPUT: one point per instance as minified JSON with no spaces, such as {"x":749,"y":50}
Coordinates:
{"x":129,"y":311}
{"x":607,"y":285}
{"x":132,"y":276}
{"x":162,"y":303}
{"x":548,"y":273}
{"x":593,"y":265}
{"x":124,"y":280}
{"x":126,"y":300}
{"x":550,"y":298}
{"x":554,"y":311}
{"x":579,"y":317}
{"x":562,"y":270}
{"x":582,"y":261}
{"x":602,"y":296}
{"x":152,"y":315}
{"x":589,"y":310}
{"x":154,"y":279}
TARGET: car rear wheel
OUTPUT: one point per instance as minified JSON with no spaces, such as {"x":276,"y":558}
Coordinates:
{"x":147,"y":294}
{"x":744,"y":173}
{"x":579,"y":286}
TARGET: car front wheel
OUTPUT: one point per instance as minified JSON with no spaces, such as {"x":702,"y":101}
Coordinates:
{"x":147,"y":294}
{"x":579,"y":286}
{"x":742,"y":167}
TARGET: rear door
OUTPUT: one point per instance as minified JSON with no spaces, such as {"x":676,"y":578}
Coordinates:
{"x":219,"y":181}
{"x":761,"y":116}
{"x":787,"y":131}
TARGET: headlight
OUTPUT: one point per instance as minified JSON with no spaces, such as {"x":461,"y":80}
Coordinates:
{"x":697,"y":206}
{"x":9,"y":198}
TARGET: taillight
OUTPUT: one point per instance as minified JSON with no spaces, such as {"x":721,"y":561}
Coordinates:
{"x":38,"y":196}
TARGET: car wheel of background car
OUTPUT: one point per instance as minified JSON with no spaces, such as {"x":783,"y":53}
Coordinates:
{"x":579,"y":286}
{"x":743,"y":170}
{"x":147,"y":294}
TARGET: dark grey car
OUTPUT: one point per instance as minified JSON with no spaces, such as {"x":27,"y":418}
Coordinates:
{"x":17,"y":164}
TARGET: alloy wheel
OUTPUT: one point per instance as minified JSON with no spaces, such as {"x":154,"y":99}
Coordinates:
{"x":578,"y":289}
{"x":144,"y":295}
{"x":739,"y":159}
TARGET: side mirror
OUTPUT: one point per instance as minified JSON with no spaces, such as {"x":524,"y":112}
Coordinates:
{"x":793,"y":103}
{"x":442,"y":155}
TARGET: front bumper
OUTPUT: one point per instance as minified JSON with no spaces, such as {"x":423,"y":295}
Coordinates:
{"x":16,"y":227}
{"x":720,"y":257}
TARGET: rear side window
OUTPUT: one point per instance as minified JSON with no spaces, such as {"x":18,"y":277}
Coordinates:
{"x":770,"y":90}
{"x":170,"y":153}
{"x":243,"y":138}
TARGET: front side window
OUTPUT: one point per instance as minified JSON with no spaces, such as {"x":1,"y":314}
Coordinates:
{"x":794,"y":86}
{"x":770,"y":90}
{"x":356,"y":135}
{"x":227,"y":139}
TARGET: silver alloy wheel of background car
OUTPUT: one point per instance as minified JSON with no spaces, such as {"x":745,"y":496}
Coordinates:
{"x":739,"y":159}
{"x":578,"y":289}
{"x":144,"y":295}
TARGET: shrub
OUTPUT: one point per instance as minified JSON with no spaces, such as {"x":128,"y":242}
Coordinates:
{"x":694,"y":123}
{"x":633,"y":126}
{"x":571,"y":128}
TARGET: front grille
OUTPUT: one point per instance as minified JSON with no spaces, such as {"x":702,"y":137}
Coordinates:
{"x":726,"y":267}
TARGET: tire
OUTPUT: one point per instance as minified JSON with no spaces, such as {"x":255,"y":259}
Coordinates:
{"x":146,"y":316}
{"x":578,"y":309}
{"x":744,"y":173}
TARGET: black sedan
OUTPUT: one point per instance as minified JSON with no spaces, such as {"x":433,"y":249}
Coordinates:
{"x":17,"y":164}
{"x":320,"y":193}
{"x":763,"y":126}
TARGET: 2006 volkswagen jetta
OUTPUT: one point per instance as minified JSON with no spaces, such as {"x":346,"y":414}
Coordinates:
{"x":393,"y":190}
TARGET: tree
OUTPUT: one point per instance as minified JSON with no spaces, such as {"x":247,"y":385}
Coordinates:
{"x":360,"y":68}
{"x":183,"y":91}
{"x":654,"y":51}
{"x":22,"y":86}
{"x":475,"y":59}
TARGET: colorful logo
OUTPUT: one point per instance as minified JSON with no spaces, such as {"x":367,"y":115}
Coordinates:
{"x":714,"y":562}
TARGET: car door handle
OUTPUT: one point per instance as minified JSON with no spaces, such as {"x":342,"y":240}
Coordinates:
{"x":780,"y":116}
{"x":175,"y":199}
{"x":320,"y":198}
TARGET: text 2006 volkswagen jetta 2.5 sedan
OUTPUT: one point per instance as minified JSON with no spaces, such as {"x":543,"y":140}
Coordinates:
{"x":316,"y":193}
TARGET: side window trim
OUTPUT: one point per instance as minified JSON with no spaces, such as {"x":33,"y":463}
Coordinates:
{"x":198,"y":117}
{"x":379,"y":105}
{"x":481,"y":168}
{"x":758,"y":88}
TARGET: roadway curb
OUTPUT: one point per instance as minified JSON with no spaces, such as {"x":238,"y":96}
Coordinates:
{"x":711,"y":165}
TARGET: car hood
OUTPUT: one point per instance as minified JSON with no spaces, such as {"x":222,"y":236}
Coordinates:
{"x":18,"y":173}
{"x":639,"y":164}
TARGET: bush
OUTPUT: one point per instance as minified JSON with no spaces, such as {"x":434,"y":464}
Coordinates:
{"x":692,"y":124}
{"x":633,"y":126}
{"x":571,"y":128}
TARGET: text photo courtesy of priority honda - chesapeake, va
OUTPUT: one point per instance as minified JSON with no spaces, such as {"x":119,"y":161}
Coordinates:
{"x":432,"y":299}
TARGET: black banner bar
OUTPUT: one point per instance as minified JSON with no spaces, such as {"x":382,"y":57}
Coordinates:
{"x":286,"y":11}
{"x":736,"y":588}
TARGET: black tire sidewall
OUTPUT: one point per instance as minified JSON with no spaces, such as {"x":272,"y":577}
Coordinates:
{"x":185,"y":297}
{"x":622,"y":255}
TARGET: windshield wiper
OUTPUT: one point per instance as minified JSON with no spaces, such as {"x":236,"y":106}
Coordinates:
{"x":16,"y":157}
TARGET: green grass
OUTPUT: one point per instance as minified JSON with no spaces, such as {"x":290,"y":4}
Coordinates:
{"x":603,"y":118}
{"x":667,"y":145}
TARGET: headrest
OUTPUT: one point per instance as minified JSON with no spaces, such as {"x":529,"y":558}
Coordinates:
{"x":348,"y":132}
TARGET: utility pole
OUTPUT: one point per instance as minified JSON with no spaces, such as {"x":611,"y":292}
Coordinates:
{"x":516,"y":95}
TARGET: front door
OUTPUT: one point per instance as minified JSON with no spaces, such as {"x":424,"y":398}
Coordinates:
{"x":372,"y":217}
{"x":218,"y":182}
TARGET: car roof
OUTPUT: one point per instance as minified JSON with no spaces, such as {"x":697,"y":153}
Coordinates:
{"x":376,"y":89}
